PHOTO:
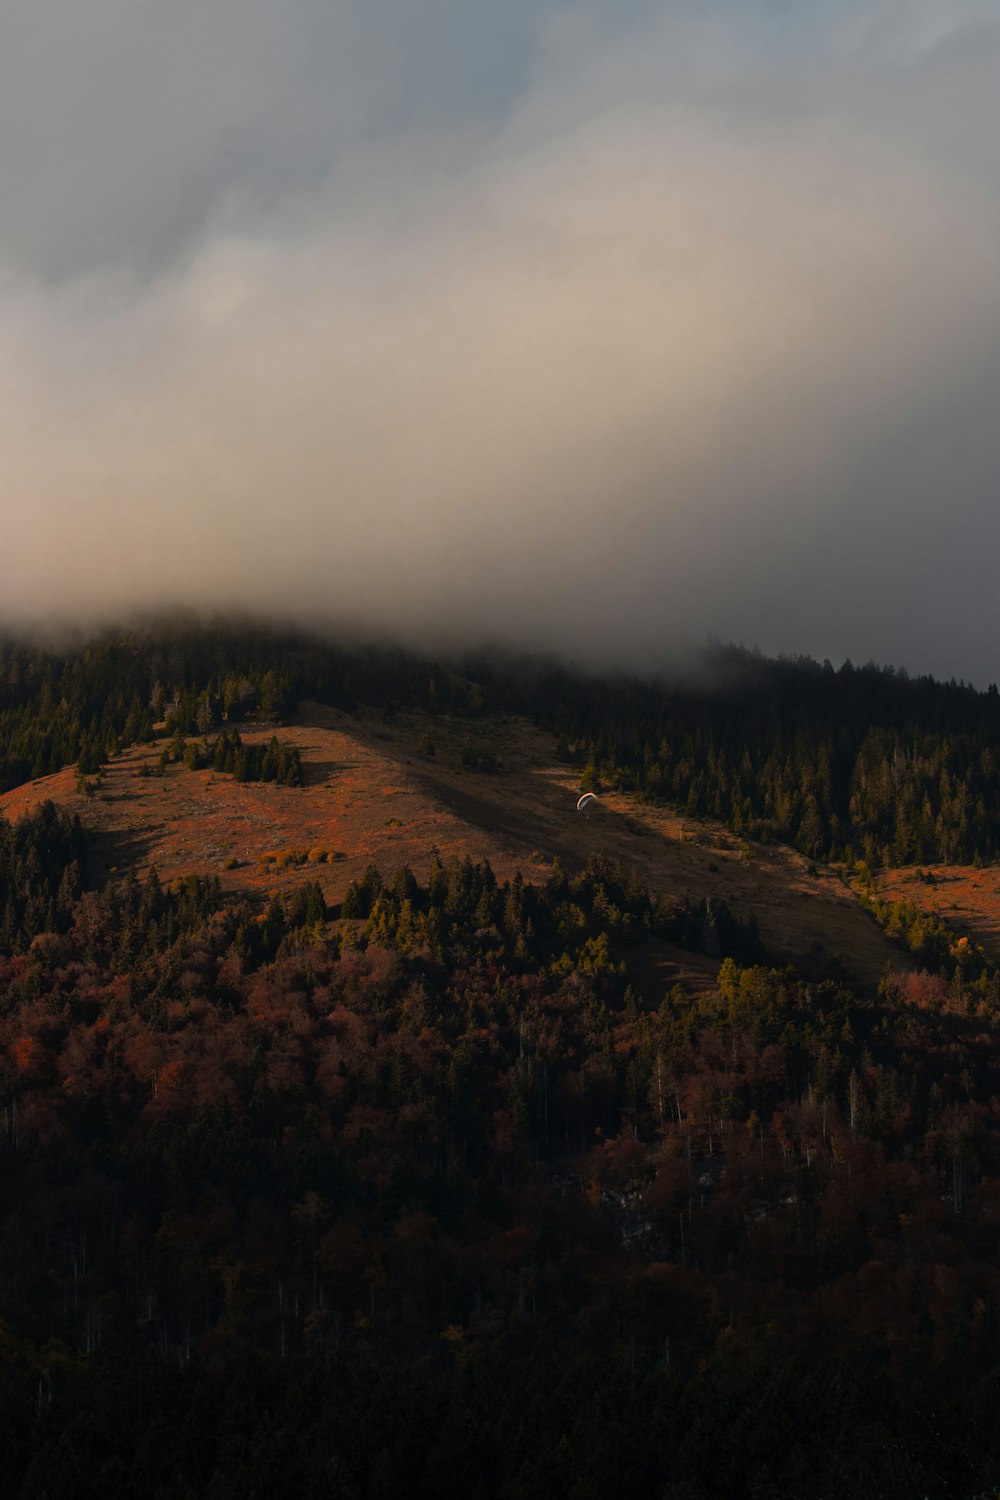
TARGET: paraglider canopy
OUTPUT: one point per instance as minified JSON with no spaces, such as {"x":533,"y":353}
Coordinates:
{"x":586,"y":802}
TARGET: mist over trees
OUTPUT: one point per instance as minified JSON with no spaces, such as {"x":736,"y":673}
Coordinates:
{"x":855,"y":764}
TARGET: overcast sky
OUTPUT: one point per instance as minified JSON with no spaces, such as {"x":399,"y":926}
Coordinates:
{"x":588,"y":327}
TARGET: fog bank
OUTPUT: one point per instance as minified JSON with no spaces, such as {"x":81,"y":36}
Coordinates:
{"x":578,"y":335}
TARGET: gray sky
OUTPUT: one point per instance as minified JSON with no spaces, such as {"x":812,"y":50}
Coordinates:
{"x":583,"y":326}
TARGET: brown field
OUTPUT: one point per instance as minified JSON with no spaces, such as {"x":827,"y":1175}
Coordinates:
{"x":371,"y":795}
{"x":966,"y":898}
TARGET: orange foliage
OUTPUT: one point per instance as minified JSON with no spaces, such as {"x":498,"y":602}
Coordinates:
{"x":28,"y":1053}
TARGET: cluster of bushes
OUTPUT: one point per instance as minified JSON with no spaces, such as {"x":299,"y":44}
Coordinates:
{"x":932,"y":942}
{"x":284,"y":859}
{"x":276,"y":761}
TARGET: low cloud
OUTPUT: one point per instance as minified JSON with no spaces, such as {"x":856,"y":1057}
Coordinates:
{"x":683,"y":327}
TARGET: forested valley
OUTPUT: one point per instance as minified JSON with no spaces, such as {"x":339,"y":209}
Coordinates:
{"x":433,"y":1192}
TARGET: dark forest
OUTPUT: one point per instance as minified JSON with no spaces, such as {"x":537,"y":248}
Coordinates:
{"x":430,"y":1192}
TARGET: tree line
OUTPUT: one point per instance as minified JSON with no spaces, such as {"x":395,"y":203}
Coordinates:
{"x":855,"y":764}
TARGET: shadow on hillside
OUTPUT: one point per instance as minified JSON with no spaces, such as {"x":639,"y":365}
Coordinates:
{"x":321,"y":772}
{"x":528,"y":827}
{"x":120,"y":850}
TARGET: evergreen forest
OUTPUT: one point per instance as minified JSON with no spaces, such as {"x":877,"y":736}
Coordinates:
{"x":434,"y":1192}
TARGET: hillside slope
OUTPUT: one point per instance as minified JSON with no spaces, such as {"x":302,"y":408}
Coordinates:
{"x":393,"y":792}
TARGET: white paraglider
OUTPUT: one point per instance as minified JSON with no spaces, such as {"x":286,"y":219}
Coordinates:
{"x":586,"y":802}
